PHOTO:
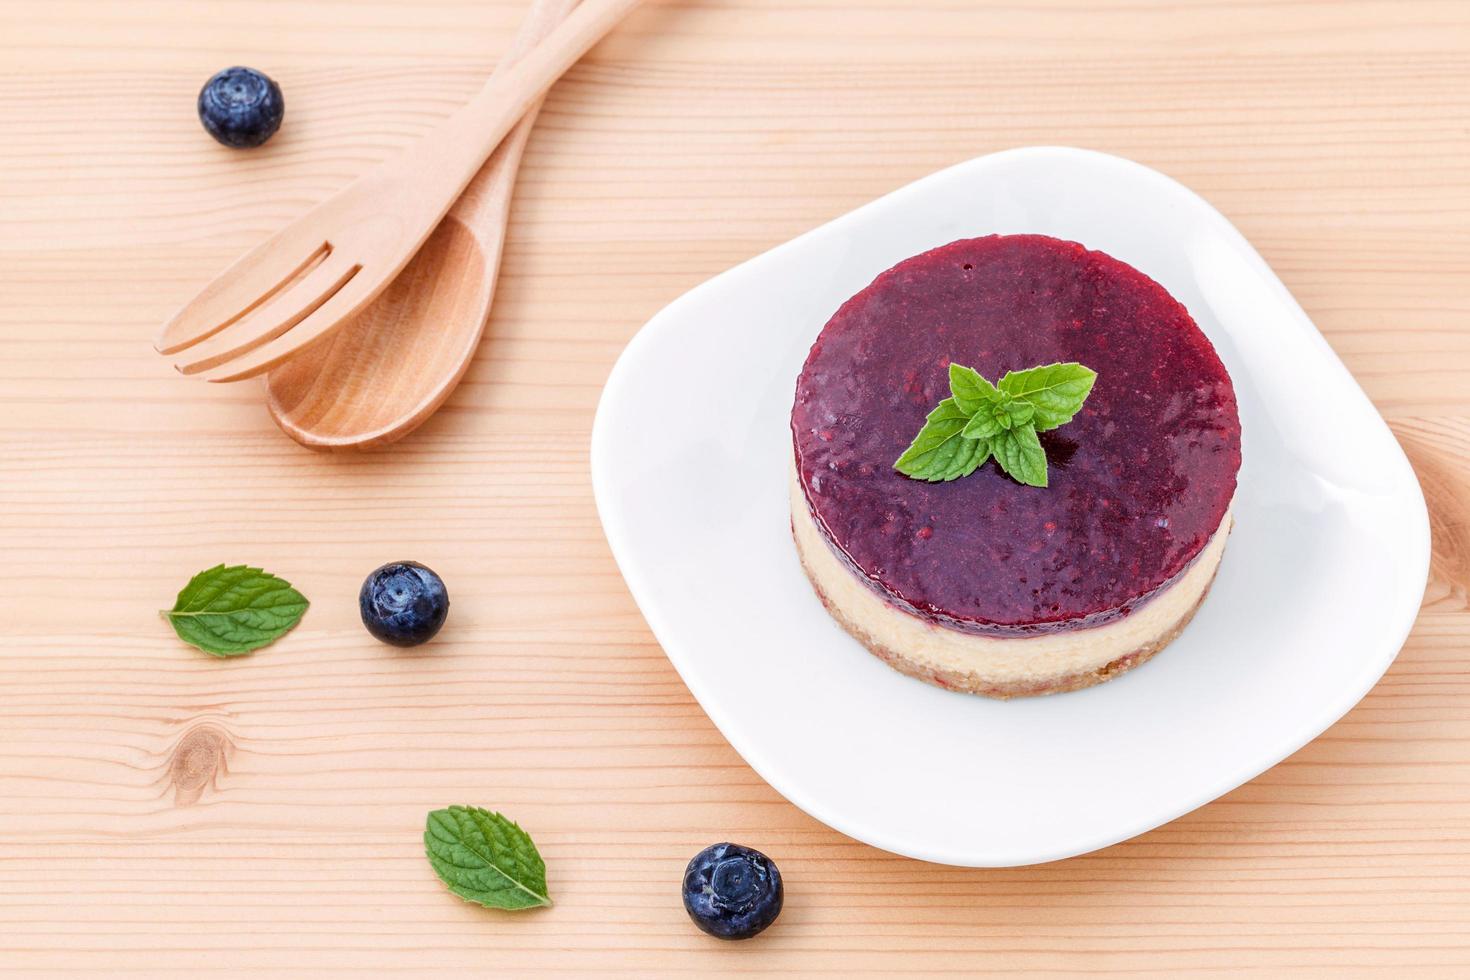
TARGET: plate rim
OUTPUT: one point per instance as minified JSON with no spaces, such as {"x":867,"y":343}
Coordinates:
{"x":1402,"y":607}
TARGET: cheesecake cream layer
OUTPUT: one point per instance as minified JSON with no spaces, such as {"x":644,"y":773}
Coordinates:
{"x":999,"y":665}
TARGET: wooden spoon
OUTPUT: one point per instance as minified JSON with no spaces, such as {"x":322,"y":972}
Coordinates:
{"x":388,"y":369}
{"x":327,"y":266}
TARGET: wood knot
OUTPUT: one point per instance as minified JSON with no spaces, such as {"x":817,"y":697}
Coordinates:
{"x":1439,"y":460}
{"x":198,"y":761}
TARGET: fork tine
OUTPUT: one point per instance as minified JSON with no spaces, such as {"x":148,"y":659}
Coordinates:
{"x":269,"y":321}
{"x":260,"y":274}
{"x":337,"y":310}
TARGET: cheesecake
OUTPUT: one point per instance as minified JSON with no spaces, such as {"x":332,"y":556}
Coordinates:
{"x":985,"y":584}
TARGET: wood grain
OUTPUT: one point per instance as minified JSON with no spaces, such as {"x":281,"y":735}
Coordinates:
{"x":164,"y":813}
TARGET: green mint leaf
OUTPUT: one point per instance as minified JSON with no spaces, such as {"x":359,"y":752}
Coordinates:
{"x":1019,"y":453}
{"x":983,"y":426}
{"x":1019,"y":412}
{"x":979,"y":452}
{"x":229,"y":610}
{"x":485,"y":858}
{"x":939,"y":451}
{"x":981,"y":420}
{"x":971,"y":391}
{"x":1056,"y":391}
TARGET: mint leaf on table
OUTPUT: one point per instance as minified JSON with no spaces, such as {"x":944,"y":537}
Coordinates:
{"x":229,"y":610}
{"x":981,"y":420}
{"x":485,"y":858}
{"x":1056,"y":391}
{"x":939,"y":452}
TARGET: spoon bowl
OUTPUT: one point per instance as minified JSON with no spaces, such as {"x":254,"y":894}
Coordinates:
{"x":382,"y":375}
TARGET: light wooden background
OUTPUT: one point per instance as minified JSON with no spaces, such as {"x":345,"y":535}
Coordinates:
{"x":164,"y":812}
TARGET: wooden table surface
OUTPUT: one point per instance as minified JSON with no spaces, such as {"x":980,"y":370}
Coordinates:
{"x":162,"y":811}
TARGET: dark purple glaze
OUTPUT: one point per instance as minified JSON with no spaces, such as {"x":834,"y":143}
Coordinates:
{"x":1140,"y":478}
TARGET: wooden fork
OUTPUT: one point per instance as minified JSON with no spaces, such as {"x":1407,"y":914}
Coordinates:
{"x":327,"y":265}
{"x":388,"y":369}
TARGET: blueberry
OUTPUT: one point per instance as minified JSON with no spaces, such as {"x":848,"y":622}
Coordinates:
{"x":241,"y":107}
{"x":403,"y":603}
{"x":732,"y":892}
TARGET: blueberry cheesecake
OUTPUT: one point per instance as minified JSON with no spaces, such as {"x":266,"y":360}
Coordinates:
{"x":1014,"y":461}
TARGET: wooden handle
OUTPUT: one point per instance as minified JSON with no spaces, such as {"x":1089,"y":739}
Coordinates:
{"x":448,"y":157}
{"x":484,"y":204}
{"x":540,"y":23}
{"x":510,"y":93}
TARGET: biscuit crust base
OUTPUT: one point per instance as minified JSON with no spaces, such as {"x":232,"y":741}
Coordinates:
{"x":971,"y":683}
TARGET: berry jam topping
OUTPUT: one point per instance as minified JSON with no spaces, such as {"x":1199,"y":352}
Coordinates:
{"x":1140,"y":478}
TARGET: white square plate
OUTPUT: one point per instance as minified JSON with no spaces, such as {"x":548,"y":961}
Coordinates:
{"x":1319,"y":587}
